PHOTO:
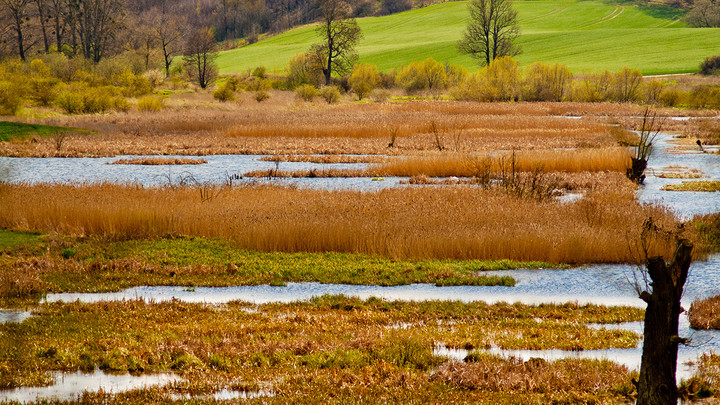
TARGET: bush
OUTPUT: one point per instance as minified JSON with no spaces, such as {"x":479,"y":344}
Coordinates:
{"x":43,"y":90}
{"x":260,"y":72}
{"x":710,"y":65}
{"x":544,"y":82}
{"x":224,"y":93}
{"x":428,"y":74}
{"x":594,"y":87}
{"x":473,"y":88}
{"x":704,"y":96}
{"x":120,"y":103}
{"x":11,"y":99}
{"x":132,"y":84}
{"x":154,"y":77}
{"x":652,"y":90}
{"x":627,"y":85}
{"x":306,"y":92}
{"x":364,"y":79}
{"x":670,"y":97}
{"x":70,"y":101}
{"x":97,"y":100}
{"x":233,"y":82}
{"x":301,"y":70}
{"x":380,"y":95}
{"x":149,"y":104}
{"x":261,"y":95}
{"x":503,"y":79}
{"x":331,"y":94}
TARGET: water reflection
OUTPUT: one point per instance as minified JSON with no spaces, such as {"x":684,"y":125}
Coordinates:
{"x":70,"y":386}
{"x":14,"y":316}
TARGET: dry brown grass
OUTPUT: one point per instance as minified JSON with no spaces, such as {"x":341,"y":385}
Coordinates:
{"x":490,"y":373}
{"x":286,"y":127}
{"x":158,"y":161}
{"x":458,"y":222}
{"x":324,"y":159}
{"x":572,"y":161}
{"x":705,"y":314}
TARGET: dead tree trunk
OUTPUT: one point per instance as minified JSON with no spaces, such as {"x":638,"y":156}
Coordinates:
{"x":656,"y":383}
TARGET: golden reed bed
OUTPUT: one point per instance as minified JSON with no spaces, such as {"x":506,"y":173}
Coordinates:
{"x":458,"y":222}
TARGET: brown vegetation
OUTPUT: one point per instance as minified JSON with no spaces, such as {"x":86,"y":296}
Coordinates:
{"x":705,"y":314}
{"x":463,"y":222}
{"x":158,"y":161}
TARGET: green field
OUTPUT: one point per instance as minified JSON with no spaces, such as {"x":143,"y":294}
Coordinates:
{"x":586,"y":35}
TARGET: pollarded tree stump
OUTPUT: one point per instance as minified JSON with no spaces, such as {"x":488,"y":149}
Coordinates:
{"x":656,"y":383}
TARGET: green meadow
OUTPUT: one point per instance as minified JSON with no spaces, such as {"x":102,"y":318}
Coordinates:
{"x":587,"y":36}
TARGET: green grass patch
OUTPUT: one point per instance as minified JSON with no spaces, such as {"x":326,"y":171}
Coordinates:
{"x":98,"y":265}
{"x":700,"y":185}
{"x":14,"y":240}
{"x":17,"y":130}
{"x":588,"y":36}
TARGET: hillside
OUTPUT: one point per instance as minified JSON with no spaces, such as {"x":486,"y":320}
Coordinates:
{"x":585,"y":35}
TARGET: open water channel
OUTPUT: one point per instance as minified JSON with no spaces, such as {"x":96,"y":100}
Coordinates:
{"x":599,"y":284}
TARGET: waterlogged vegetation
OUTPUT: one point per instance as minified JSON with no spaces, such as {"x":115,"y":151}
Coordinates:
{"x":699,"y":185}
{"x":705,"y":314}
{"x":310,"y":350}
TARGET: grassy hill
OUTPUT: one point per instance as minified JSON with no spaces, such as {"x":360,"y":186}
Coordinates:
{"x":585,"y":35}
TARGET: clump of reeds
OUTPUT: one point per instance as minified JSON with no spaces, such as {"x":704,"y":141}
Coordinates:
{"x":697,"y":185}
{"x":490,"y":373}
{"x":325,"y":159}
{"x":152,"y":161}
{"x":458,"y":222}
{"x":462,"y":165}
{"x":705,"y":314}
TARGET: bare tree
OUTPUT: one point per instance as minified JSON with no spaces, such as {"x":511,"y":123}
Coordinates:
{"x":168,"y":33}
{"x":43,"y":15}
{"x":704,"y":13}
{"x":492,"y":31}
{"x":200,"y":56}
{"x":18,"y":15}
{"x":339,"y":35}
{"x":97,"y":23}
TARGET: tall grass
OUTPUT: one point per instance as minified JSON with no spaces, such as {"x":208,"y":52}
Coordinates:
{"x":460,"y":223}
{"x":571,"y":161}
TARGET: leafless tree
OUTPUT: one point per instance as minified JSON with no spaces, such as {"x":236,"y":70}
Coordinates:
{"x":18,"y":14}
{"x":339,"y":35}
{"x":168,"y":32}
{"x":200,"y":56}
{"x":704,"y":13}
{"x":492,"y":31}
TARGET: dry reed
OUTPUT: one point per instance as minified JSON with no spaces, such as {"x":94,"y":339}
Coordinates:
{"x":155,"y":161}
{"x":571,"y":161}
{"x":705,"y":314}
{"x":459,"y":222}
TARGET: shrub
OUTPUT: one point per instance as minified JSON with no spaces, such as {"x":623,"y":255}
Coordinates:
{"x":38,"y":68}
{"x":149,"y":104}
{"x":704,"y":96}
{"x":503,"y":79}
{"x":261,"y":95}
{"x":670,"y":97}
{"x":306,"y":92}
{"x":428,"y":74}
{"x":594,"y":87}
{"x":331,"y":94}
{"x":652,"y":90}
{"x":233,"y":82}
{"x":260,"y":72}
{"x":155,"y":77}
{"x":380,"y":95}
{"x":132,"y":84}
{"x":11,"y":99}
{"x":224,"y":93}
{"x":455,"y":74}
{"x":474,"y":88}
{"x":544,"y":82}
{"x":364,"y":79}
{"x":43,"y":90}
{"x":70,"y":101}
{"x":710,"y":65}
{"x":120,"y":103}
{"x":97,"y":100}
{"x":627,"y":85}
{"x":302,"y":70}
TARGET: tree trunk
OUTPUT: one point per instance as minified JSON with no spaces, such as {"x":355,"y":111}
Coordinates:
{"x":636,"y":173}
{"x":656,"y":383}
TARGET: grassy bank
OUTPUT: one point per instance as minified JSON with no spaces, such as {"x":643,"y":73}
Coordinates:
{"x":14,"y":131}
{"x":450,"y":223}
{"x":585,"y":35}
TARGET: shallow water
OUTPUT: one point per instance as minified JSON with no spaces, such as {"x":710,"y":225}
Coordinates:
{"x":70,"y":386}
{"x":685,"y":204}
{"x":225,"y":395}
{"x":14,"y":316}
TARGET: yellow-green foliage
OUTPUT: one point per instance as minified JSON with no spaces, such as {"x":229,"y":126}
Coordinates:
{"x":652,"y":89}
{"x":704,"y":96}
{"x":149,"y":104}
{"x":331,"y":94}
{"x":70,"y":101}
{"x":627,"y":85}
{"x":11,"y":97}
{"x":81,"y":98}
{"x":302,"y":70}
{"x":132,"y":84}
{"x":364,"y":79}
{"x":594,"y":87}
{"x":261,"y":95}
{"x":306,"y":92}
{"x":224,"y":93}
{"x":543,"y":82}
{"x":499,"y":81}
{"x":428,"y":74}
